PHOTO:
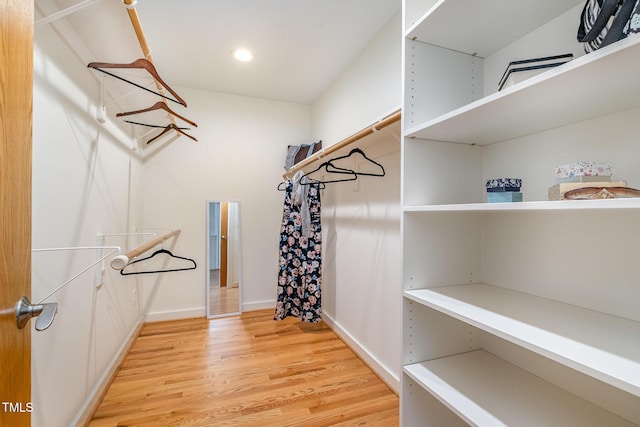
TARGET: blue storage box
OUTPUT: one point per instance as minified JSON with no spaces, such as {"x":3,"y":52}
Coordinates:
{"x":503,"y":184}
{"x":504,"y":196}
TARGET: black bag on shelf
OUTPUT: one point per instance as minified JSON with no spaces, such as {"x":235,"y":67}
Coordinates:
{"x":606,"y":21}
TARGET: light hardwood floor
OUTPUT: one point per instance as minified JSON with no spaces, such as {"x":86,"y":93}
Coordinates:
{"x":244,"y":370}
{"x":222,"y":299}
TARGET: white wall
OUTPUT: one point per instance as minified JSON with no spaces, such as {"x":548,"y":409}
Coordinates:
{"x":361,"y":221}
{"x":366,"y":92}
{"x":362,"y":264}
{"x":239,"y":157}
{"x":84,"y":182}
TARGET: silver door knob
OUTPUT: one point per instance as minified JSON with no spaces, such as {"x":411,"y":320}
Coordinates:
{"x":44,"y":312}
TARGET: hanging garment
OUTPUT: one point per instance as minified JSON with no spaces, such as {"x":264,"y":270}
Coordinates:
{"x":300,"y":276}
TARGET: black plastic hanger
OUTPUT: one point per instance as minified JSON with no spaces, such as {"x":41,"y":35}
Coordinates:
{"x":159,"y":251}
{"x":283,"y":186}
{"x":337,"y":169}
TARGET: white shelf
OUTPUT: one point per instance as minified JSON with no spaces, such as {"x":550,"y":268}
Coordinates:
{"x":597,"y":84}
{"x":487,"y":391}
{"x":630,"y":203}
{"x":483,"y":27}
{"x":600,"y":345}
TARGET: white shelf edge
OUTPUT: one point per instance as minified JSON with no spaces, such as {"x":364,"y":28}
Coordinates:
{"x":475,"y":21}
{"x":554,"y":101}
{"x":629,"y":203}
{"x":619,"y":370}
{"x":412,"y":29}
{"x":484,"y":390}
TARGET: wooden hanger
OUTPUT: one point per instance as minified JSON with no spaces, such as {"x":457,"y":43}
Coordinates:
{"x":167,"y":128}
{"x":158,"y":106}
{"x":144,"y":64}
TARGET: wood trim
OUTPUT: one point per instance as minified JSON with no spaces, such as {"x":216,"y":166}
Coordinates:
{"x":224,"y":242}
{"x":16,"y":106}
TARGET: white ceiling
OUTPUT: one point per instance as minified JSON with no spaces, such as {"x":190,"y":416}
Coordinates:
{"x":300,"y":46}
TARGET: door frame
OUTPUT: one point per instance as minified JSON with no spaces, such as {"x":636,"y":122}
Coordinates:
{"x":224,"y":242}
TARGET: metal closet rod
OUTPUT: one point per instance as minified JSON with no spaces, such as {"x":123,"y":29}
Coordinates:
{"x":121,"y":261}
{"x":394,"y":117}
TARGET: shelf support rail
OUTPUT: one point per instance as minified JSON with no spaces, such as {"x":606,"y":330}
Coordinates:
{"x":379,"y":125}
{"x":113,"y":250}
{"x":68,"y":11}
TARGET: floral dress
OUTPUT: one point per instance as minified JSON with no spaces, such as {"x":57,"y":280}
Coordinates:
{"x":300,"y":274}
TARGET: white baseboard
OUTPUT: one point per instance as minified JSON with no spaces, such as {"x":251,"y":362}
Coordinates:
{"x":382,"y":371}
{"x":95,"y":396}
{"x":258,"y":305}
{"x":162,"y":316}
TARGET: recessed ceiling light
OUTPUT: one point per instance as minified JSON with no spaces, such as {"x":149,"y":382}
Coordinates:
{"x":243,"y":55}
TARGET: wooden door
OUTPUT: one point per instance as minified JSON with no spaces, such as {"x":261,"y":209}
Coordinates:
{"x":224,"y":241}
{"x":16,"y":101}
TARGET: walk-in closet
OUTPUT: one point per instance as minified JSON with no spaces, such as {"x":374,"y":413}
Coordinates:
{"x":291,"y":213}
{"x":511,"y":315}
{"x":156,"y":158}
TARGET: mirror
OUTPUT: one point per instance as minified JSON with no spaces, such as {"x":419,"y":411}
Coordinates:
{"x":223,"y":256}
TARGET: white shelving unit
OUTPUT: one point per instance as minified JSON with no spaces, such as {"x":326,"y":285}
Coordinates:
{"x":567,"y":94}
{"x":502,"y":403}
{"x":530,"y":206}
{"x":568,"y":334}
{"x":516,"y":314}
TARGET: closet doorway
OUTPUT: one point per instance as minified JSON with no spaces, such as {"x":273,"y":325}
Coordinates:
{"x":223,"y":258}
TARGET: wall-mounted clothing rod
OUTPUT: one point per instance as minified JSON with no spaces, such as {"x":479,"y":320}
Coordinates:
{"x":137,"y":28}
{"x":121,"y":261}
{"x":381,"y":124}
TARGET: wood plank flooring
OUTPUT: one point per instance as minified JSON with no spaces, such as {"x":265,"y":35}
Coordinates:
{"x":222,"y":299}
{"x":244,"y":370}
